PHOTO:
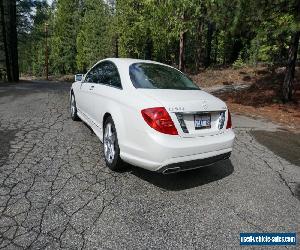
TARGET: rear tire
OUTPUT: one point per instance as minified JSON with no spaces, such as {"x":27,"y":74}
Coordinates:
{"x":111,"y":146}
{"x":73,"y":108}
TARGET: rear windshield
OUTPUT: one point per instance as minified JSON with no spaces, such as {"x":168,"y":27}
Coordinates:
{"x":156,"y":76}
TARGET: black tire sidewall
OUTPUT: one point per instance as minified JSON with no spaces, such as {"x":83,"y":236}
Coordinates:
{"x":73,"y":116}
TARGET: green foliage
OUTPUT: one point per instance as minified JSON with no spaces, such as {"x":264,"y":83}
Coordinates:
{"x":239,"y":63}
{"x":38,"y":64}
{"x":64,"y":51}
{"x":216,"y":32}
{"x":133,"y":27}
{"x":31,"y":36}
{"x":272,"y":38}
{"x":94,"y":40}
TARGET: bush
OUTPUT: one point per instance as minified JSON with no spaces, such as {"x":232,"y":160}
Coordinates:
{"x":239,"y":63}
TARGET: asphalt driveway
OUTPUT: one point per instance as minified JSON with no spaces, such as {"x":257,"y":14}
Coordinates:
{"x":55,"y":191}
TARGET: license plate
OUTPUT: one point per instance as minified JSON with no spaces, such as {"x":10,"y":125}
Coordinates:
{"x":202,"y":121}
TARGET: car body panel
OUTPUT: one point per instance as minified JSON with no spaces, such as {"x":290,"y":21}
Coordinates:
{"x":139,"y":144}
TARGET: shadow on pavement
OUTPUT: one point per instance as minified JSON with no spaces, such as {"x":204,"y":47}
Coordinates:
{"x":297,"y":191}
{"x":31,"y":87}
{"x":5,"y":138}
{"x":284,"y":144}
{"x":185,"y":180}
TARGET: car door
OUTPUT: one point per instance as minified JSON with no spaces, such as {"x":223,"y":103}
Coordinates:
{"x":106,"y":91}
{"x":84,"y":100}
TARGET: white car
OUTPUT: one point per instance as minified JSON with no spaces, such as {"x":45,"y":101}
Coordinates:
{"x":152,"y":116}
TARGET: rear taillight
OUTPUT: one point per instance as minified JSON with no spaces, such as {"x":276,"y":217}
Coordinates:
{"x":229,"y":124}
{"x":160,"y":120}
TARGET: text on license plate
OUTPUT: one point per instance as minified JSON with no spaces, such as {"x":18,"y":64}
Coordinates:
{"x":202,"y":121}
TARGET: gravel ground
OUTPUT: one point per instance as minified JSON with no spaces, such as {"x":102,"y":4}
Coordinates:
{"x":55,"y":191}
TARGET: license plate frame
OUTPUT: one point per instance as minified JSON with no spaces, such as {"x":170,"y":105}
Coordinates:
{"x":202,"y":121}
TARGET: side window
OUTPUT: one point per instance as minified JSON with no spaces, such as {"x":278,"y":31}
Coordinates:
{"x":104,"y":73}
{"x":110,"y":75}
{"x":92,"y":75}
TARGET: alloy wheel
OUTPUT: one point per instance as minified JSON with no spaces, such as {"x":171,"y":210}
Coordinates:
{"x":109,"y":143}
{"x":72,"y":106}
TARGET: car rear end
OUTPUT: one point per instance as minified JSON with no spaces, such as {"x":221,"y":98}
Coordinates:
{"x":178,"y":126}
{"x":205,"y":137}
{"x":197,"y":133}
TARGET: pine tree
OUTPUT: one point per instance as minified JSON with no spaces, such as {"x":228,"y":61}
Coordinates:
{"x":94,"y":40}
{"x":32,"y":37}
{"x":66,"y":25}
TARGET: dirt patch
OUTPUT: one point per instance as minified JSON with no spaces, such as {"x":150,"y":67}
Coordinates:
{"x":286,"y":115}
{"x":265,"y":89}
{"x":225,"y":76}
{"x":262,"y":98}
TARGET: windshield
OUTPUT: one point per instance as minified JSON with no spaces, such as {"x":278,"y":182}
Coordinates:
{"x":156,"y":76}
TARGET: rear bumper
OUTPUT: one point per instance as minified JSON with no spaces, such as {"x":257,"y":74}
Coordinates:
{"x":161,"y":151}
{"x":194,"y":164}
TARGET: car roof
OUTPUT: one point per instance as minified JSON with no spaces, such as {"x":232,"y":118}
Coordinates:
{"x":123,"y":65}
{"x":128,"y":61}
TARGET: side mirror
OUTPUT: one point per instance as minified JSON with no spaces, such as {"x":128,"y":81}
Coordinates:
{"x":78,"y":77}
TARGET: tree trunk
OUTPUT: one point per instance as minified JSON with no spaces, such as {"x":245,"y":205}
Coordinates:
{"x":10,"y":41}
{"x":199,"y":60}
{"x":216,"y":47}
{"x":148,"y":46}
{"x":13,"y":40}
{"x":116,"y":47}
{"x":287,"y":87}
{"x":182,"y":37}
{"x":210,"y":30}
{"x":4,"y":37}
{"x":182,"y":50}
{"x":199,"y":45}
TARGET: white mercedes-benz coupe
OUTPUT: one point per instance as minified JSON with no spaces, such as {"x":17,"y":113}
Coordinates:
{"x":152,"y":116}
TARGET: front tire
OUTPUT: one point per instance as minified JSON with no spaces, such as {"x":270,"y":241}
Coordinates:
{"x":73,"y":108}
{"x":111,"y":146}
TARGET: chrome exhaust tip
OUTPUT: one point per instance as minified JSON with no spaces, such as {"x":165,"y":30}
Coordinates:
{"x":171,"y":170}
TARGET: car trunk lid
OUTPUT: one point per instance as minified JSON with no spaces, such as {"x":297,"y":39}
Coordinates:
{"x":189,"y":108}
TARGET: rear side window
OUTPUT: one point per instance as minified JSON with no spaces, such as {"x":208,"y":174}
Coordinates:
{"x":92,"y":75}
{"x":109,"y":75}
{"x":105,"y":73}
